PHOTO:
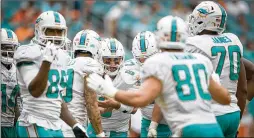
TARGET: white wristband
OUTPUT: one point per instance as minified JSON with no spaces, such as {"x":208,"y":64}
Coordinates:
{"x":125,"y":108}
{"x":153,"y":125}
{"x":101,"y":135}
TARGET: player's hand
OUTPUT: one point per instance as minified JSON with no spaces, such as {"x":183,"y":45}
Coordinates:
{"x":108,"y":102}
{"x":79,"y":131}
{"x":152,"y":132}
{"x":101,"y":86}
{"x":104,"y":110}
{"x":50,"y":51}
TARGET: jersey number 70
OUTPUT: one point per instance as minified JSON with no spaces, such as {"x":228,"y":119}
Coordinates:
{"x":232,"y":49}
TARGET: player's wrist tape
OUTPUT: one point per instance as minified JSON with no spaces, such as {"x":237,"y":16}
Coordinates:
{"x":101,"y":135}
{"x":153,"y":125}
{"x":125,"y":109}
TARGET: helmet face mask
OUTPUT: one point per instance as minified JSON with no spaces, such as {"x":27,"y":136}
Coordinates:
{"x":112,"y":64}
{"x":51,"y":26}
{"x":9,"y":43}
{"x":111,"y":56}
{"x":144,"y":46}
{"x":7,"y":52}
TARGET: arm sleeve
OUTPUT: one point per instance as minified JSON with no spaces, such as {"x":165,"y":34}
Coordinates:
{"x":28,"y":73}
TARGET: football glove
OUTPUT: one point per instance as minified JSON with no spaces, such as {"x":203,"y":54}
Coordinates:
{"x":152,"y":133}
{"x":50,"y":51}
{"x":79,"y":131}
{"x":101,"y":86}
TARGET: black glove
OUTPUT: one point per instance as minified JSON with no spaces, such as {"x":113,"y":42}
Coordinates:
{"x":79,"y":131}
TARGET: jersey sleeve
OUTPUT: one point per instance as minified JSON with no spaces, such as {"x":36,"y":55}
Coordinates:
{"x":28,"y":73}
{"x":26,"y":55}
{"x":154,"y":68}
{"x":193,"y":46}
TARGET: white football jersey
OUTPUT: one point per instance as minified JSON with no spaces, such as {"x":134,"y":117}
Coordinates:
{"x":74,"y":93}
{"x":224,"y":51}
{"x":148,"y":110}
{"x":116,"y":120}
{"x":184,"y":98}
{"x":44,"y":110}
{"x":10,"y":92}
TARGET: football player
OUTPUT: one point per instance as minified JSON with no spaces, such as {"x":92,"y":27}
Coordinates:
{"x":9,"y":84}
{"x":115,"y":123}
{"x":80,"y":99}
{"x":143,"y":47}
{"x":206,"y":25}
{"x":179,"y":83}
{"x":41,"y":71}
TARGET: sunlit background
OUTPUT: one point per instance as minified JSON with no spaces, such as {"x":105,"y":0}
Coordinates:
{"x":124,"y":19}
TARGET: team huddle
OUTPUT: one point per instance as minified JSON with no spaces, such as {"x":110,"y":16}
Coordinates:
{"x":187,"y":78}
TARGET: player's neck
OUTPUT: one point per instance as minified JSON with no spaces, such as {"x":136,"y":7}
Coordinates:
{"x":7,"y":66}
{"x":207,"y":32}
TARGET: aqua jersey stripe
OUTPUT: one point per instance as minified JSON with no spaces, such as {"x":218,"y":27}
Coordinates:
{"x":82,"y":39}
{"x":112,"y":46}
{"x":9,"y":33}
{"x":223,"y":16}
{"x":142,"y":42}
{"x":57,"y":17}
{"x":173,"y":30}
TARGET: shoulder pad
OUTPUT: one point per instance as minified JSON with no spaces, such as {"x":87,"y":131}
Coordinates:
{"x":27,"y":53}
{"x":131,"y":65}
{"x":87,"y":65}
{"x":130,"y":76}
{"x":197,"y":44}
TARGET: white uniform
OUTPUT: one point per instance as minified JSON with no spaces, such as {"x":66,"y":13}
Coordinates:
{"x":184,"y":99}
{"x":79,"y":68}
{"x":148,"y":110}
{"x":224,"y":51}
{"x":10,"y":91}
{"x":44,"y":110}
{"x":126,"y":79}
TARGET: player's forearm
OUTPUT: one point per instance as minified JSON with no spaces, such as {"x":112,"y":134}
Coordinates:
{"x":132,"y":98}
{"x":93,"y":111}
{"x":250,"y":89}
{"x":157,"y":114}
{"x":241,"y":93}
{"x":39,"y":83}
{"x":66,"y":115}
{"x":219,"y":93}
{"x":94,"y":117}
{"x":249,"y":68}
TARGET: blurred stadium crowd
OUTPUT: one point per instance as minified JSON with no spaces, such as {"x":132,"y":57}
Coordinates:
{"x":122,"y":19}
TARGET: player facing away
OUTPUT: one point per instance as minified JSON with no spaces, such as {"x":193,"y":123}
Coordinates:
{"x":115,"y":122}
{"x":81,"y":100}
{"x":206,"y":25}
{"x":41,"y":71}
{"x":9,"y":84}
{"x":179,"y":83}
{"x":143,"y":47}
